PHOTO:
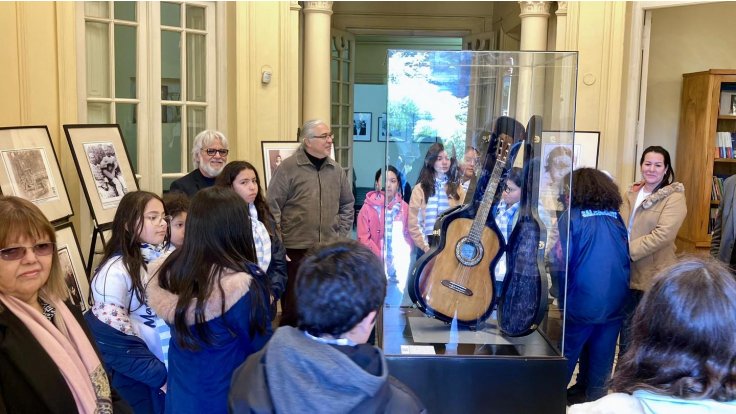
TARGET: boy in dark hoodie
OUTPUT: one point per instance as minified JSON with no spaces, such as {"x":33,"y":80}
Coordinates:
{"x":325,"y":365}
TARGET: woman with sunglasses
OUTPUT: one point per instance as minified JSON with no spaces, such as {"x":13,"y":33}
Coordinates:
{"x":48,"y":363}
{"x":130,"y":335}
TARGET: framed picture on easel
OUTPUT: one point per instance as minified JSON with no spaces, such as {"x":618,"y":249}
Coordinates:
{"x":29,"y":169}
{"x":104,"y":167}
{"x":72,"y":266}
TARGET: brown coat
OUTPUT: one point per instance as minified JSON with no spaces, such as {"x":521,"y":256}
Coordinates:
{"x":653,"y":231}
{"x":417,"y":207}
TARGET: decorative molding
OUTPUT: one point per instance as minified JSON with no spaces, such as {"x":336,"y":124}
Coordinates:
{"x":23,"y":104}
{"x":294,"y":6}
{"x":318,"y":7}
{"x":534,"y":8}
{"x":561,"y":8}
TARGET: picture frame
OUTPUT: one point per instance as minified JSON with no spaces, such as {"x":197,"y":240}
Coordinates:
{"x":382,"y":127}
{"x":274,"y":152}
{"x":727,"y":104}
{"x":362,"y":126}
{"x":559,"y":151}
{"x":103,"y":165}
{"x":29,"y":168}
{"x":72,"y":266}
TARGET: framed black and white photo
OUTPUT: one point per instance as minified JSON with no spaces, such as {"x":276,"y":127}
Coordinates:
{"x":29,"y":169}
{"x":104,"y":167}
{"x":72,"y":266}
{"x":382,"y":127}
{"x":274,"y":152}
{"x":362,"y":126}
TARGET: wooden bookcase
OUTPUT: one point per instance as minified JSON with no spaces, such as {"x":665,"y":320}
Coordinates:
{"x":701,"y":118}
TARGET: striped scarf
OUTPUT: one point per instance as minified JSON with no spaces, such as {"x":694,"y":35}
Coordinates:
{"x":506,"y":217}
{"x":150,"y":253}
{"x":436,"y":204}
{"x":391,"y":214}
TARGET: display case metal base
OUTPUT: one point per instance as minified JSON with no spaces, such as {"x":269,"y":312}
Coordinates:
{"x":517,"y":376}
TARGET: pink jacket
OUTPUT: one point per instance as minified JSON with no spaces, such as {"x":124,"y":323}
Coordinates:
{"x":371,"y":224}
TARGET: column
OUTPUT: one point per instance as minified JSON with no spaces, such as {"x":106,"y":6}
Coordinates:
{"x":316,"y":98}
{"x":530,"y":94}
{"x":562,"y":111}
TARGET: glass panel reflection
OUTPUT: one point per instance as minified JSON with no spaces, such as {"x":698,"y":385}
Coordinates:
{"x":170,"y":14}
{"x":125,"y":61}
{"x":195,"y":17}
{"x":170,"y":66}
{"x":196,"y":68}
{"x":96,"y":9}
{"x":98,"y":61}
{"x":126,"y":117}
{"x":196,"y":121}
{"x":98,"y":113}
{"x":171,"y":139}
{"x":125,"y":10}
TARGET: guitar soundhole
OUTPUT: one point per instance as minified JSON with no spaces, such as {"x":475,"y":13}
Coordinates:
{"x":468,"y":253}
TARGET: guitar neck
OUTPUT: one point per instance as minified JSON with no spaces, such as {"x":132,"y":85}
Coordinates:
{"x":476,"y":230}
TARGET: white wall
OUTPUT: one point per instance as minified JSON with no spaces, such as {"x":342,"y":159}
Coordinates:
{"x":369,"y":156}
{"x":683,"y":40}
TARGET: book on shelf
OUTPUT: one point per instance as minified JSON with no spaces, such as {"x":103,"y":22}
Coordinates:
{"x":725,"y":145}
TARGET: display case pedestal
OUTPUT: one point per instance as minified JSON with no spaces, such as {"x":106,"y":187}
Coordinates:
{"x":502,"y":375}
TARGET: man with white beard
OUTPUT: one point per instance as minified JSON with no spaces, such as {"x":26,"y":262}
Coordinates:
{"x":209,"y":155}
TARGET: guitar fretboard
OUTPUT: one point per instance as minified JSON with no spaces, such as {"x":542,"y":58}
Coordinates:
{"x":476,"y":230}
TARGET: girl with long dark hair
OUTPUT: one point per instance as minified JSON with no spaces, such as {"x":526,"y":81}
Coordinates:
{"x":214,"y":297}
{"x":243,"y":178}
{"x":432,"y":195}
{"x":128,"y":332}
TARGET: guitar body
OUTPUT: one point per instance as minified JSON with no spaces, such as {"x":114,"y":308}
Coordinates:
{"x":453,"y":279}
{"x":523,"y":300}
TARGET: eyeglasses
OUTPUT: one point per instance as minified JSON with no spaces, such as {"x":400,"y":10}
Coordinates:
{"x":325,"y":135}
{"x":212,"y":151}
{"x":156,"y":219}
{"x":17,"y":253}
{"x":508,"y":189}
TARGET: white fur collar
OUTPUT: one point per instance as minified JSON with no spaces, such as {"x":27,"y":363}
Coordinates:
{"x":234,"y":284}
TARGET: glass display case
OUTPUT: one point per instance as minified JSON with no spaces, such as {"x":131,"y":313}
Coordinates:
{"x":479,"y":147}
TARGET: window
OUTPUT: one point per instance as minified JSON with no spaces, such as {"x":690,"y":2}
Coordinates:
{"x":150,"y":67}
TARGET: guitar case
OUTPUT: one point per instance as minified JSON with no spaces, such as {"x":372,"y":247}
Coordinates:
{"x":523,"y":298}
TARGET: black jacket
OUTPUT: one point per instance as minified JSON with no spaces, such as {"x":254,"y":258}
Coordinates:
{"x":30,"y":381}
{"x":191,"y":183}
{"x":277,"y":268}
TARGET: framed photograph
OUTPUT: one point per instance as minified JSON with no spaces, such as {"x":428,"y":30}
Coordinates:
{"x":727,"y":104}
{"x":382,"y":128}
{"x":362,"y":126}
{"x":560,"y":155}
{"x":72,"y":266}
{"x":274,"y":152}
{"x":29,"y":169}
{"x":104,"y":167}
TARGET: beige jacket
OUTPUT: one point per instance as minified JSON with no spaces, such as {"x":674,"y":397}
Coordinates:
{"x":417,"y":207}
{"x":653,"y":231}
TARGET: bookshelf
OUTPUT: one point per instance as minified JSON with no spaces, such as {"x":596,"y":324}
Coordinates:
{"x":705,"y":158}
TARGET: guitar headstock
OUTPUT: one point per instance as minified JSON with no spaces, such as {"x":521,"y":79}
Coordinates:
{"x":503,"y":147}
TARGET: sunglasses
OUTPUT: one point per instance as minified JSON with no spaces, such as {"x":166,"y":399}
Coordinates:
{"x":17,"y":253}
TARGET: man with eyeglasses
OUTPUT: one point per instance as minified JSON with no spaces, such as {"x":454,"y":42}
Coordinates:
{"x":209,"y":155}
{"x":312,"y":202}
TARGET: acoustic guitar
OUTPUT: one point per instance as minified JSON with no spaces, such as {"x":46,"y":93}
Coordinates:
{"x":453,"y":280}
{"x":523,"y":298}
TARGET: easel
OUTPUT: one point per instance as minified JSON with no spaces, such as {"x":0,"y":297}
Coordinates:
{"x":98,"y":230}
